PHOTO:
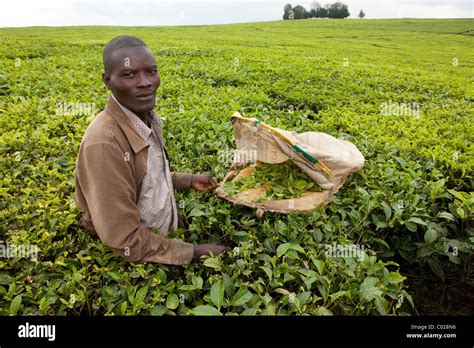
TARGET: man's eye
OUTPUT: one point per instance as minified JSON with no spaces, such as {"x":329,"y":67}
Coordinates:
{"x":153,"y":71}
{"x":129,"y":74}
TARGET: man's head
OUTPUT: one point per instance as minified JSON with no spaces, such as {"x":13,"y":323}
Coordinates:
{"x":131,"y":73}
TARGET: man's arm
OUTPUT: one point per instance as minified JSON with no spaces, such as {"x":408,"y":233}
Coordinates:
{"x":200,"y":182}
{"x":109,"y":189}
{"x":181,"y":180}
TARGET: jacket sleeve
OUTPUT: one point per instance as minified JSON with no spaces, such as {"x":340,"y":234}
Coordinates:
{"x":181,"y":180}
{"x":109,"y":189}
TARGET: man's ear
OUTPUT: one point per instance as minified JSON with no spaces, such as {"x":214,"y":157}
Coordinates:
{"x":106,"y":80}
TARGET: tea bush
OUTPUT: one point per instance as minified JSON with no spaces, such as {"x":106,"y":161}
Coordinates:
{"x":398,"y":89}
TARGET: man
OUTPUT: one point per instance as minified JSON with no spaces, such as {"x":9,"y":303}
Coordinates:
{"x":123,"y":181}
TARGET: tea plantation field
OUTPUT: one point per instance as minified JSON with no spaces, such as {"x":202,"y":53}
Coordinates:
{"x":400,"y":90}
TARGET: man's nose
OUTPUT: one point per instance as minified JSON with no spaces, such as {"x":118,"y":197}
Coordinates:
{"x":143,"y":81}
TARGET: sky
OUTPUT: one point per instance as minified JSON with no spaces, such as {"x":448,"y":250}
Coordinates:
{"x":20,"y":13}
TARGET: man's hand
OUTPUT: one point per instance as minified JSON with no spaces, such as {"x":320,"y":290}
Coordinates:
{"x":206,"y":249}
{"x":203,"y":182}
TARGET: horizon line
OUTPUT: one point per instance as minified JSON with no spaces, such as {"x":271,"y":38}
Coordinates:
{"x":220,"y":24}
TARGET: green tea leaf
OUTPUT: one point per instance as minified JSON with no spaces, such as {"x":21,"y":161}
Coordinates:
{"x":268,"y":272}
{"x":217,"y":294}
{"x":395,"y":278}
{"x":319,"y":265}
{"x":172,"y":301}
{"x":382,"y":305}
{"x":15,"y":305}
{"x":196,"y":212}
{"x":369,"y":288}
{"x":214,"y":263}
{"x":447,"y":216}
{"x":387,"y":210}
{"x":297,"y":248}
{"x":436,"y":267}
{"x":430,"y":236}
{"x":249,"y":312}
{"x":158,"y":310}
{"x":321,"y":310}
{"x":241,"y":297}
{"x":417,"y":221}
{"x":205,"y":310}
{"x":140,"y":297}
{"x":282,"y":249}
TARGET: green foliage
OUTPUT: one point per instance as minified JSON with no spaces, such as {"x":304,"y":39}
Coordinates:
{"x":412,"y":203}
{"x":283,"y":180}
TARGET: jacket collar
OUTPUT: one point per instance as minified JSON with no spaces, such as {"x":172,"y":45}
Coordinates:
{"x":132,"y":135}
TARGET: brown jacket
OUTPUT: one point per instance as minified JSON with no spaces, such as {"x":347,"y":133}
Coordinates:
{"x":111,"y":165}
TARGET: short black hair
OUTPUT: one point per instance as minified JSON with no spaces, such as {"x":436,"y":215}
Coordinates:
{"x":116,"y":43}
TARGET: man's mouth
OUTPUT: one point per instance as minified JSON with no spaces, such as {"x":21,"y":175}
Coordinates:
{"x":145,"y":96}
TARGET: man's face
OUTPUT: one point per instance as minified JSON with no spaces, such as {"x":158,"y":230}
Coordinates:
{"x":133,"y":78}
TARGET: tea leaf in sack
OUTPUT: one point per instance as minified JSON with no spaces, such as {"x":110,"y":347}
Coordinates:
{"x":285,"y":181}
